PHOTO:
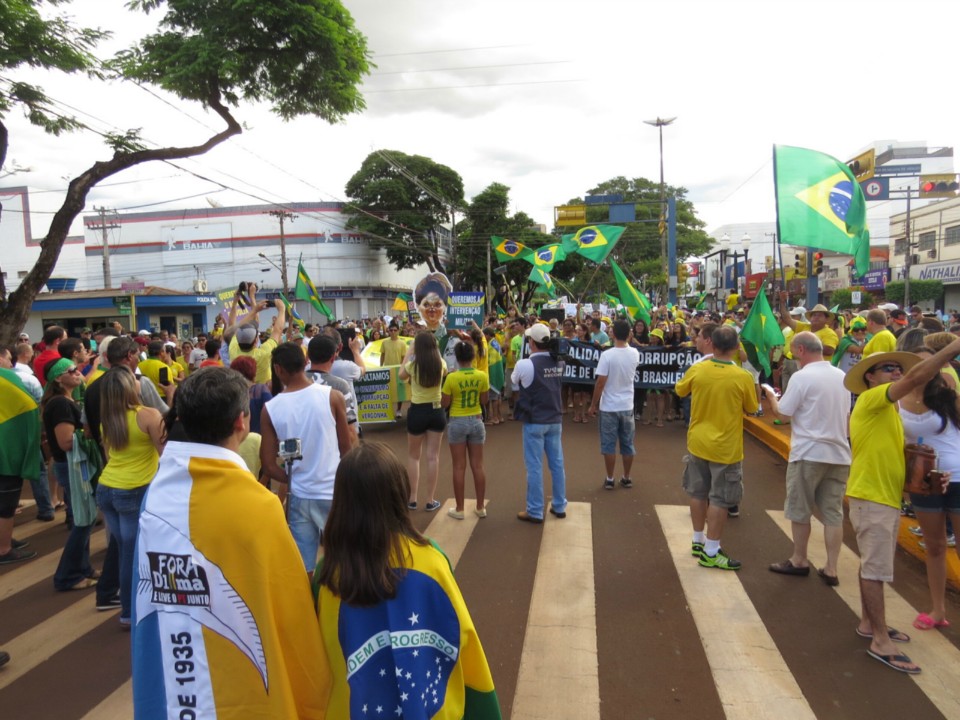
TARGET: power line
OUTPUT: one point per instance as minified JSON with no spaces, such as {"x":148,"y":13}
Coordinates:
{"x":470,"y":67}
{"x":482,"y":85}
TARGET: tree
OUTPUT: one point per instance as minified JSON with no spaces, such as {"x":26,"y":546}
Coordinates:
{"x":919,"y":290}
{"x":402,"y":202}
{"x":302,"y":57}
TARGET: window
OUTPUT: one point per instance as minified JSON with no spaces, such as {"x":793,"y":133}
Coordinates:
{"x":928,"y":241}
{"x":951,"y":235}
{"x":900,"y":246}
{"x":21,"y":274}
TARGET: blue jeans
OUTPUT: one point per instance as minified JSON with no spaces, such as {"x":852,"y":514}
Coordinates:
{"x":121,"y":510}
{"x":74,"y":563}
{"x":306,"y":519}
{"x":41,"y":493}
{"x":537,"y":440}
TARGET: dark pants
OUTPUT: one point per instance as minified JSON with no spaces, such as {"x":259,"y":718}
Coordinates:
{"x":75,"y":560}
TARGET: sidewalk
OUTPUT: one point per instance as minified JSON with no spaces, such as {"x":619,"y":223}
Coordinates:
{"x":777,"y":438}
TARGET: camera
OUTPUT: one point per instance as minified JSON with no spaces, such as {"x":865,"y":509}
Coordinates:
{"x":290,"y":450}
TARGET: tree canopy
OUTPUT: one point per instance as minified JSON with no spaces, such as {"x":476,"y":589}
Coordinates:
{"x":300,"y":57}
{"x":403,"y":203}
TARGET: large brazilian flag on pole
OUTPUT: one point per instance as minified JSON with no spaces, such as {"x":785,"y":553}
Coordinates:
{"x":820,"y":204}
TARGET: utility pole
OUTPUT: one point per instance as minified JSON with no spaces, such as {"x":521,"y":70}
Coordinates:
{"x":103,"y":227}
{"x":282,"y":216}
{"x":659,"y":123}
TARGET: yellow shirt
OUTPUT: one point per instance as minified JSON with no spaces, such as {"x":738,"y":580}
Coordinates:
{"x":876,"y":437}
{"x":392,"y":351}
{"x":135,"y":465}
{"x":420,"y":394}
{"x":883,"y":341}
{"x":720,"y":393}
{"x":827,"y":337}
{"x":151,"y":367}
{"x":465,"y":386}
{"x":260,"y":354}
{"x":482,"y":363}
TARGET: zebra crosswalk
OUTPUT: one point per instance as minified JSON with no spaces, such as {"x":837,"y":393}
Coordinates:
{"x":560,"y":664}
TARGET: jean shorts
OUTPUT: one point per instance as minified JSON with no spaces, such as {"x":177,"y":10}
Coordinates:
{"x":948,"y":502}
{"x":616,"y":426}
{"x":469,"y":429}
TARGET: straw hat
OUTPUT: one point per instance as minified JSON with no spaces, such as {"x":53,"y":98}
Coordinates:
{"x":855,"y":379}
{"x":820,"y":307}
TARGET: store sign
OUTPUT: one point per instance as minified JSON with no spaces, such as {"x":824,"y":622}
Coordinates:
{"x":947,"y":272}
{"x":874,"y":280}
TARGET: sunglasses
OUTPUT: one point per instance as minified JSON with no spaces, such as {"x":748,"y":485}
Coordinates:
{"x":73,"y":370}
{"x":887,"y":368}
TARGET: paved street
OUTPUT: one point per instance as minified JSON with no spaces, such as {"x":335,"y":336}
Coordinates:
{"x":601,"y":615}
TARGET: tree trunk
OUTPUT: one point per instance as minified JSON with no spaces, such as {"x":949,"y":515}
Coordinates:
{"x":14,"y":314}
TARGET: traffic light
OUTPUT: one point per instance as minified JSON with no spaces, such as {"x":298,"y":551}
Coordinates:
{"x":800,"y":265}
{"x":938,"y":186}
{"x":817,"y":263}
{"x":683,"y":272}
{"x":862,"y":166}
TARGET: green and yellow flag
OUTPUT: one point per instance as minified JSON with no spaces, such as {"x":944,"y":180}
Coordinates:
{"x":292,"y":313}
{"x":547,"y":256}
{"x":539,"y":276}
{"x":594,"y":242}
{"x":508,"y":250}
{"x":820,"y":204}
{"x":761,"y":332}
{"x":306,"y":290}
{"x":636,"y":303}
{"x":19,"y":429}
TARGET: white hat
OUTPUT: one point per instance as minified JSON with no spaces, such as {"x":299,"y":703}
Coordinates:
{"x":538,"y":333}
{"x":24,"y":336}
{"x":143,"y":332}
{"x":888,"y":306}
{"x":798,"y":311}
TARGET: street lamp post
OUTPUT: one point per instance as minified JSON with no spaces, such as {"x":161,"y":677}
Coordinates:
{"x":659,"y":123}
{"x":745,"y":244}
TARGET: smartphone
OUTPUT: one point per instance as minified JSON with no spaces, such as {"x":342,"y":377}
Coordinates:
{"x":165,"y":376}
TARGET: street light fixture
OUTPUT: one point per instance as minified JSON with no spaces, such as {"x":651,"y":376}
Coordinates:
{"x":745,"y":244}
{"x":659,"y":123}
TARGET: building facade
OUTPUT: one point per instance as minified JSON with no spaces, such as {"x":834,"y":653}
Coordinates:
{"x":929,"y":249}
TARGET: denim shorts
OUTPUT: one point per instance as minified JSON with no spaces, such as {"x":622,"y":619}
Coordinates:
{"x":616,"y":426}
{"x":467,"y":429}
{"x":948,"y":502}
{"x":424,"y":417}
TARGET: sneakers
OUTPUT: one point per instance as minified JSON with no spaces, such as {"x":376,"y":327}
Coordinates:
{"x":734,"y":511}
{"x":721,"y":561}
{"x":111,"y":604}
{"x":16,"y":555}
{"x":916,"y":530}
{"x":18,"y":544}
{"x":626,"y":483}
{"x":696,"y":549}
{"x":951,"y":542}
{"x":560,"y":515}
{"x":432,"y":505}
{"x":480,"y":512}
{"x":455,"y":514}
{"x":412,"y":505}
{"x":609,"y":484}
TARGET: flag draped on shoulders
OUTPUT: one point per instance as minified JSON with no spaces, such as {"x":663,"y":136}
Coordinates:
{"x":594,"y":242}
{"x":416,"y":656}
{"x":820,"y":204}
{"x":19,"y":428}
{"x":219,"y":608}
{"x":636,"y":303}
{"x":508,"y":250}
{"x":306,"y":290}
{"x":761,"y":333}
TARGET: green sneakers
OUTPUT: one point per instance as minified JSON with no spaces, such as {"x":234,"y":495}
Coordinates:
{"x":696,"y":549}
{"x":721,"y":561}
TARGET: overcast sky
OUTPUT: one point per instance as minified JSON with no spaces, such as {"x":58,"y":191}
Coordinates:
{"x":547,"y":97}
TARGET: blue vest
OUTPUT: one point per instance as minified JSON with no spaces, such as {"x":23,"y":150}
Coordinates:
{"x":540,"y":403}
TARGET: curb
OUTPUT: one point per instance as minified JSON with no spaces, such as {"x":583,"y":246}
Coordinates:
{"x":777,"y":438}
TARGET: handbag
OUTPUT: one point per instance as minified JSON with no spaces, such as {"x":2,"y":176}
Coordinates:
{"x":921,"y":461}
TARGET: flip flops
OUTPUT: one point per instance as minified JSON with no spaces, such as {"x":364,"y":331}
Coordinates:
{"x":830,"y":580}
{"x":925,"y":622}
{"x":788,"y":568}
{"x":889,"y":661}
{"x":892,"y":633}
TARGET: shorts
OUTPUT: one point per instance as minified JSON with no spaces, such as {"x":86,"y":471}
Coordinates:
{"x":948,"y":502}
{"x":616,"y":426}
{"x":10,"y":487}
{"x":876,"y":526}
{"x":469,"y":429}
{"x":508,"y":388}
{"x":719,"y":483}
{"x":424,"y":417}
{"x":811,"y":483}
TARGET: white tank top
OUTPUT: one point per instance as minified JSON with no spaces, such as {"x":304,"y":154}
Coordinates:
{"x":947,"y":443}
{"x":306,"y":414}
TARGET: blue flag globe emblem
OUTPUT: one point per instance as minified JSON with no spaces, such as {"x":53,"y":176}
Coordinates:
{"x":399,"y":654}
{"x":587,"y":237}
{"x":841,"y":196}
{"x":545,"y":255}
{"x":510,"y":247}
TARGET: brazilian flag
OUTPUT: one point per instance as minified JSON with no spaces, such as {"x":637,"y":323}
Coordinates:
{"x":537,"y":275}
{"x":594,"y":242}
{"x":761,"y":332}
{"x":636,"y":303}
{"x":306,"y":290}
{"x":547,"y":256}
{"x":820,"y":204}
{"x":508,"y":250}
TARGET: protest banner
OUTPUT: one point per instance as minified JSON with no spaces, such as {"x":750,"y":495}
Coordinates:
{"x":659,"y":367}
{"x":377,"y":395}
{"x":462,"y":307}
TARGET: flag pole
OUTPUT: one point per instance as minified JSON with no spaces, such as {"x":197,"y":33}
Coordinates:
{"x":779,"y":244}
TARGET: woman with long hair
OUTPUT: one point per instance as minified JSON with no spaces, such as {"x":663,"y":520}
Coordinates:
{"x":582,"y":393}
{"x":424,"y":368}
{"x":465,"y":393}
{"x":379,"y":577}
{"x":495,"y":375}
{"x":133,"y":438}
{"x":61,"y":418}
{"x":931,"y":412}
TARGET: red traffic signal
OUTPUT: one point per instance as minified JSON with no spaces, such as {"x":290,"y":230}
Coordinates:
{"x":938,"y":186}
{"x":817,"y":263}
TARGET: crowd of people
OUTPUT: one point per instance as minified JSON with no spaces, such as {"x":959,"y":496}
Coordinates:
{"x":165,"y":422}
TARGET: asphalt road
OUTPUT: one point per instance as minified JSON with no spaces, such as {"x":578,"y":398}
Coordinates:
{"x":671,"y":639}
